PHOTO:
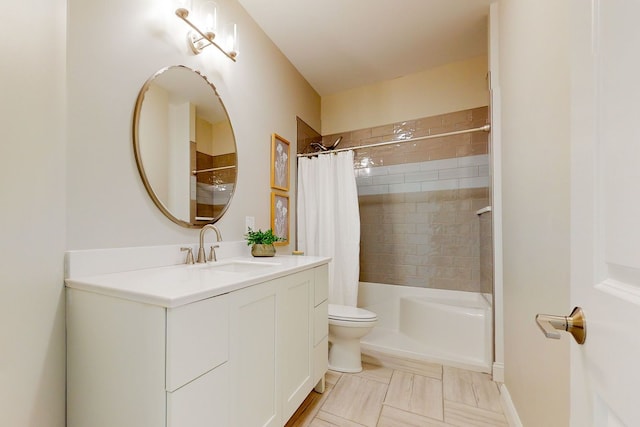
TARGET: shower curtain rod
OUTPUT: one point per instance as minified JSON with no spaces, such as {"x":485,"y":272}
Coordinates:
{"x":485,"y":128}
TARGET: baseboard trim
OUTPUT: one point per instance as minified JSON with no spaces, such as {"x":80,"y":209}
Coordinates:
{"x":497,"y":372}
{"x":509,"y":408}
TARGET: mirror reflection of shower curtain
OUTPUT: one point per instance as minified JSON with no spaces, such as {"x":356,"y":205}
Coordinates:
{"x":329,"y":220}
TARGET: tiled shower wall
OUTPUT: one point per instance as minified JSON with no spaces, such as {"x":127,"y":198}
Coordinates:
{"x":418,"y":201}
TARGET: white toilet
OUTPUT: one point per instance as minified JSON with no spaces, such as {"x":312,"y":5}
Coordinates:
{"x":346,"y":326}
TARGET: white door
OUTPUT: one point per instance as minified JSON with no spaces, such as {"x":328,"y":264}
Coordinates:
{"x":605,"y":204}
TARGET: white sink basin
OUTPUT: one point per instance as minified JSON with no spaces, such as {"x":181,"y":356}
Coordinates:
{"x":239,"y":266}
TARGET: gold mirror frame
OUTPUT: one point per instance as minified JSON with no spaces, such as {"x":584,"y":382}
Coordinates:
{"x":192,"y":223}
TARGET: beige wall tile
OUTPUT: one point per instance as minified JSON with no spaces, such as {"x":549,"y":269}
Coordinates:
{"x":398,"y":231}
{"x":474,"y":193}
{"x":425,"y":207}
{"x":386,"y":130}
{"x":442,"y":261}
{"x":459,"y":117}
{"x":454,"y":249}
{"x":360,"y":134}
{"x":442,"y":217}
{"x":444,"y":152}
{"x":428,"y":123}
{"x":438,"y":148}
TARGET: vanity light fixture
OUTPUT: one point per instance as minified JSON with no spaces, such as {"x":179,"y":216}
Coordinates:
{"x":204,"y":27}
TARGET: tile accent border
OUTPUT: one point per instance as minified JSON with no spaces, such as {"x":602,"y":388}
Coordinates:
{"x":447,"y":174}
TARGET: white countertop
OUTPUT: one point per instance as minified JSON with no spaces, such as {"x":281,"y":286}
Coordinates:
{"x":176,"y":285}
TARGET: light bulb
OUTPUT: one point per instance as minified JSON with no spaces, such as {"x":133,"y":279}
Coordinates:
{"x":209,"y":16}
{"x":231,"y":39}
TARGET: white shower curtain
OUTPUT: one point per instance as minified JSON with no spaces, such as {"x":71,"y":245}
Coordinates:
{"x":329,"y":220}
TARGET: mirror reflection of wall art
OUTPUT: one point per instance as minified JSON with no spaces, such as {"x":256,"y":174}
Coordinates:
{"x":279,"y":163}
{"x":280,"y":217}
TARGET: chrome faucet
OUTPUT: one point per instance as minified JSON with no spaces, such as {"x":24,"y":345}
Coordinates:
{"x":201,"y":256}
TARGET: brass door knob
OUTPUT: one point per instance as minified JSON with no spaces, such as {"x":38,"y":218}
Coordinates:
{"x":575,"y":324}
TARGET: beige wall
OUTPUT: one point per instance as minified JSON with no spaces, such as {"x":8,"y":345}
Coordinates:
{"x":112,"y":47}
{"x":214,"y":139}
{"x":263,"y":93}
{"x":222,"y":137}
{"x":32,"y":218}
{"x":452,"y":87}
{"x":534,"y":82}
{"x":204,"y":136}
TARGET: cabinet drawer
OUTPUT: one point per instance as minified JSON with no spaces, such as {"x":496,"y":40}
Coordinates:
{"x":197,"y":340}
{"x":201,"y":403}
{"x":320,"y":322}
{"x":321,"y":289}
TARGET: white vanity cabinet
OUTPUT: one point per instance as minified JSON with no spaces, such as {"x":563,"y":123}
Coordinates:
{"x":273,"y":356}
{"x":241,"y":359}
{"x":133,"y":364}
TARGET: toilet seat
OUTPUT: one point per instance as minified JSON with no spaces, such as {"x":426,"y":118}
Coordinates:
{"x":350,"y":314}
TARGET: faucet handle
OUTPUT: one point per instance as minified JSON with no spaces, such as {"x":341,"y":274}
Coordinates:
{"x":212,"y":253}
{"x":189,"y":259}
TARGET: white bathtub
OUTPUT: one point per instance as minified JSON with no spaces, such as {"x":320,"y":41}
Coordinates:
{"x":449,"y":327}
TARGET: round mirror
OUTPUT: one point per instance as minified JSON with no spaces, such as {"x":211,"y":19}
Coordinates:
{"x":184,"y":146}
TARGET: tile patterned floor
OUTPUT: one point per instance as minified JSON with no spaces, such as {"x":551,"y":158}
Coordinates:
{"x":403,"y":395}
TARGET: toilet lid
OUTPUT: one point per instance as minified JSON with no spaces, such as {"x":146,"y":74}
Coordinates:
{"x":355,"y":314}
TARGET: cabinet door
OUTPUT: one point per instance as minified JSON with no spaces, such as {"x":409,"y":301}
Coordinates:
{"x":296,"y":295}
{"x":252,"y":356}
{"x":203,"y":402}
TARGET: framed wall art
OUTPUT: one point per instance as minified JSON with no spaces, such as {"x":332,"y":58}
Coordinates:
{"x":279,"y":163}
{"x":280,"y":217}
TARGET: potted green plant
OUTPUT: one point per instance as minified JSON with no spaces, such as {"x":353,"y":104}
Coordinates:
{"x":261,"y":242}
